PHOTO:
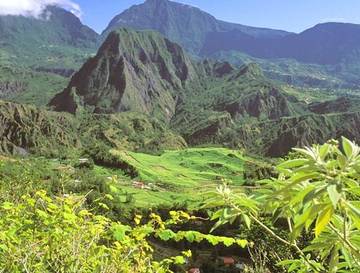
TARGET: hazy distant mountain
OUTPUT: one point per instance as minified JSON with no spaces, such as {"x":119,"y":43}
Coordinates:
{"x":332,"y":49}
{"x":52,"y":39}
{"x":204,"y":35}
{"x":186,"y":25}
{"x":325,"y":44}
{"x":55,"y":25}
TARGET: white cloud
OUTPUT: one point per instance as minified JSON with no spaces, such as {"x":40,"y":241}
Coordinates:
{"x":35,"y":8}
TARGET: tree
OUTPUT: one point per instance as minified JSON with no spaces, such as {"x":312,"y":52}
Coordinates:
{"x":316,"y":193}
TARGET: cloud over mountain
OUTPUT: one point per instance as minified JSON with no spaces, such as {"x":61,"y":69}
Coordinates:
{"x":35,"y":8}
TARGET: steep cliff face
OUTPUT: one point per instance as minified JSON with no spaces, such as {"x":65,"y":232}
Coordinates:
{"x":144,"y":72}
{"x":133,"y":71}
{"x":9,"y":88}
{"x":216,"y":105}
{"x":340,"y":105}
{"x":24,"y":85}
{"x":273,"y":138}
{"x":265,"y":105}
{"x":278,"y":137}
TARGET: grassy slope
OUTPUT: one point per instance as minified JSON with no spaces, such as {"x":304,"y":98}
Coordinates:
{"x":184,"y":176}
{"x":38,"y":87}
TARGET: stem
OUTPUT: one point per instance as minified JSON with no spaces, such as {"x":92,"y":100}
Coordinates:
{"x":344,"y":229}
{"x":268,"y":230}
{"x":346,"y":241}
{"x":277,"y":237}
{"x":293,"y":245}
{"x":290,"y":225}
{"x":342,"y":206}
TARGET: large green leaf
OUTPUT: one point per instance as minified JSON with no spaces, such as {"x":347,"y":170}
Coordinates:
{"x":324,"y":150}
{"x":293,"y":163}
{"x":166,"y":235}
{"x":334,"y":195}
{"x":246,"y":220}
{"x":323,"y":220}
{"x":119,"y":231}
{"x":347,"y":146}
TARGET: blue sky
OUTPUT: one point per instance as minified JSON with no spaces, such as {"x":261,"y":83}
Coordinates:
{"x":291,"y":15}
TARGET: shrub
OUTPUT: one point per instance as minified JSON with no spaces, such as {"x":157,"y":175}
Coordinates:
{"x":45,"y":235}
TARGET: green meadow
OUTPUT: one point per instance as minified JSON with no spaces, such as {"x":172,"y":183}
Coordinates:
{"x":183,"y":177}
{"x":174,"y":178}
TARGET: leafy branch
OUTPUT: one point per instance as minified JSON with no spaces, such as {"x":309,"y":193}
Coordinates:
{"x":318,"y":193}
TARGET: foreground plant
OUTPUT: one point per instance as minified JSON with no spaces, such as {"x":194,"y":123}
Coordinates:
{"x":318,"y":194}
{"x":43,"y":234}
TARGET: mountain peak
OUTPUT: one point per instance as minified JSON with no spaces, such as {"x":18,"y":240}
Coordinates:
{"x":167,"y":3}
{"x":332,"y":24}
{"x":55,"y":25}
{"x":332,"y":27}
{"x":157,"y":1}
{"x":53,"y":12}
{"x":133,"y":71}
{"x":186,"y":25}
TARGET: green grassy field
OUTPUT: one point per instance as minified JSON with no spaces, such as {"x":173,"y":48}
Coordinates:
{"x":183,"y":177}
{"x":178,"y":178}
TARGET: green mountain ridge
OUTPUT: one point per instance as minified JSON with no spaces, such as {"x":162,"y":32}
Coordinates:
{"x":38,"y":54}
{"x":205,"y":102}
{"x":143,"y":155}
{"x":55,"y":40}
{"x":295,"y":73}
{"x":143,"y":73}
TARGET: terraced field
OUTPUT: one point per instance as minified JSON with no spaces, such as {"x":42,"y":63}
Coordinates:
{"x":183,"y":177}
{"x":177,"y":178}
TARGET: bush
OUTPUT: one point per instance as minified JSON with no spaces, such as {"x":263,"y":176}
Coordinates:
{"x":45,"y":235}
